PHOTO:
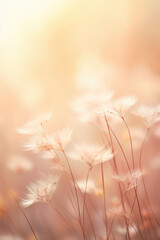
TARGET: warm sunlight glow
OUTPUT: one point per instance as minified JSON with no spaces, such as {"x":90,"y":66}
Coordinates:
{"x":79,"y":120}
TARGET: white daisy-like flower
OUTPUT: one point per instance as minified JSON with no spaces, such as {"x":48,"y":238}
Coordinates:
{"x":41,"y":191}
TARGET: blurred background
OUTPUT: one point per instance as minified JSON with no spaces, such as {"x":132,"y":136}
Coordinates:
{"x":52,"y":50}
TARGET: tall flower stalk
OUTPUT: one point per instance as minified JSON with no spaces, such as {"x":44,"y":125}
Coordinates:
{"x":113,"y":171}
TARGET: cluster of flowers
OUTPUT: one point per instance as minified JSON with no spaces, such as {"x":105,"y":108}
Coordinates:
{"x":111,"y":201}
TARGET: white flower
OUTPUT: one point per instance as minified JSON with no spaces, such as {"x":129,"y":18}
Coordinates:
{"x":89,"y":106}
{"x":104,"y":156}
{"x":123,"y":105}
{"x":130,"y":180}
{"x":150,"y":115}
{"x":92,"y":155}
{"x":47,"y":143}
{"x":60,"y":139}
{"x":38,"y":144}
{"x":41,"y":191}
{"x":35,"y":126}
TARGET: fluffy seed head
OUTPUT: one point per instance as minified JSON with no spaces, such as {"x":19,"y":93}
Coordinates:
{"x":41,"y":191}
{"x":131,"y":179}
{"x":123,"y":105}
{"x":92,"y":155}
{"x":150,"y":115}
{"x":35,"y":126}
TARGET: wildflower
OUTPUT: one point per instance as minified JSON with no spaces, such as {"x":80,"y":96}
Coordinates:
{"x":60,"y":139}
{"x":38,"y":144}
{"x":41,"y":191}
{"x":150,"y":115}
{"x":91,"y":155}
{"x":123,"y":105}
{"x":89,"y":106}
{"x":130,"y":180}
{"x":104,"y":156}
{"x":43,"y":144}
{"x":35,"y":126}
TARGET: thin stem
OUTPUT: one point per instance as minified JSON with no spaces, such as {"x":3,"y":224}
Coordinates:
{"x":73,"y":179}
{"x":140,"y":165}
{"x":54,"y":152}
{"x":104,"y":200}
{"x":27,"y":220}
{"x":60,"y":214}
{"x":116,"y":169}
{"x":133,"y":163}
{"x":126,"y":163}
{"x":120,"y":148}
{"x":87,"y":212}
{"x":13,"y":224}
{"x":135,"y":189}
{"x":74,"y":182}
{"x":110,"y":229}
{"x":85,"y":192}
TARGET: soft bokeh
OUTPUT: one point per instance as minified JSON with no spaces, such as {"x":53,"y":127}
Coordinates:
{"x":51,"y":52}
